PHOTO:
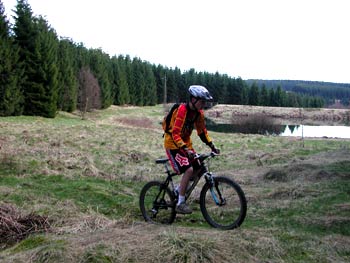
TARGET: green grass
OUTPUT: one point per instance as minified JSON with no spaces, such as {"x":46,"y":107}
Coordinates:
{"x":311,"y":215}
{"x":339,"y":167}
{"x":30,"y":243}
{"x":69,"y":169}
{"x":52,"y":251}
{"x":100,"y":254}
{"x":102,"y":196}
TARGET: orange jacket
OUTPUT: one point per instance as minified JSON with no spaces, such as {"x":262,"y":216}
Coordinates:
{"x":181,"y":126}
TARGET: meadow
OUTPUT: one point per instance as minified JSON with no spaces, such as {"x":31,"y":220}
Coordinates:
{"x":83,"y":178}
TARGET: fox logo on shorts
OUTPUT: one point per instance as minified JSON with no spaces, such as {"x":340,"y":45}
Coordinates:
{"x":181,"y":160}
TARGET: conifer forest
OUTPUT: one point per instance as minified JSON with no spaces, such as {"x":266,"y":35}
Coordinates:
{"x":42,"y":73}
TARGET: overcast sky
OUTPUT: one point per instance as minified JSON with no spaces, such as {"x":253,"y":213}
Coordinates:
{"x":265,"y":39}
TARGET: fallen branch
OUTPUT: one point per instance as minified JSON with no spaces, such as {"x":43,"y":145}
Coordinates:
{"x":15,"y":227}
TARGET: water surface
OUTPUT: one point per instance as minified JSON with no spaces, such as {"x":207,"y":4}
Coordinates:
{"x":321,"y":131}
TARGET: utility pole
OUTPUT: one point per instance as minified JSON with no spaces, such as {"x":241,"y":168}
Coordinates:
{"x":301,"y":115}
{"x":165,"y":92}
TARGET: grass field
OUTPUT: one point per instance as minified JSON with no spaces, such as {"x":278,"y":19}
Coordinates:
{"x":84,"y":177}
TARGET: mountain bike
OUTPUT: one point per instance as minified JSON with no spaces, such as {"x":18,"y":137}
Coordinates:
{"x":222,"y":201}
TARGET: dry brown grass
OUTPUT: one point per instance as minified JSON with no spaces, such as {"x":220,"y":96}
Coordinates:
{"x":150,"y":243}
{"x":14,"y":226}
{"x":114,"y":146}
{"x":136,"y":122}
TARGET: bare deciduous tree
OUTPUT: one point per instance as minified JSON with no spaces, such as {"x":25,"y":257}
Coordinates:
{"x":89,"y":91}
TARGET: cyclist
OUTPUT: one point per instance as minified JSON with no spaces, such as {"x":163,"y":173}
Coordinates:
{"x":178,"y":143}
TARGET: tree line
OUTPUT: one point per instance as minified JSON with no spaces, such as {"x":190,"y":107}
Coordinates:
{"x":329,"y":91}
{"x":42,"y":73}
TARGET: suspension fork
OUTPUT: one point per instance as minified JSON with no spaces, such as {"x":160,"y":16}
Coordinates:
{"x":216,"y":195}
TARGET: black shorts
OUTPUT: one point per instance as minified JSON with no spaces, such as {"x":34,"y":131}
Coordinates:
{"x":180,"y":161}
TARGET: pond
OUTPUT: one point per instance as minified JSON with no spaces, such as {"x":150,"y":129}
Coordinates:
{"x":317,"y":131}
{"x":281,"y":130}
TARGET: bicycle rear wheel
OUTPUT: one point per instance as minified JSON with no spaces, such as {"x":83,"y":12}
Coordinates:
{"x":224,"y":204}
{"x":157,"y":203}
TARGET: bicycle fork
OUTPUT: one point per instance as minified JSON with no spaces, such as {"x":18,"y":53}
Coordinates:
{"x":216,"y":195}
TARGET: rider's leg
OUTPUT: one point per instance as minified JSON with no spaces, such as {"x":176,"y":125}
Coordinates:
{"x":184,"y":180}
{"x":181,"y":206}
{"x":180,"y":163}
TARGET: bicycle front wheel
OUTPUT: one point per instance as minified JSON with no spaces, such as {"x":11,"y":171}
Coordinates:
{"x":157,"y":203}
{"x":223,"y":204}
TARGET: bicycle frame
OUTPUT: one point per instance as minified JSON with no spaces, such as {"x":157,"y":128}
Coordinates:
{"x":202,"y":171}
{"x":169,"y":178}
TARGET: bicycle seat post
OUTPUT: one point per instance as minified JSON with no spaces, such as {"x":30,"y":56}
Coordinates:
{"x":167,"y":170}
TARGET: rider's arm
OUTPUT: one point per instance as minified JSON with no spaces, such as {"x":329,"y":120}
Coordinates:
{"x":179,"y":121}
{"x":202,"y":130}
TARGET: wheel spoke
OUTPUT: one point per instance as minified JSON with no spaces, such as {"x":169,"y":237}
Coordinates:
{"x":223,"y":206}
{"x":156,"y":203}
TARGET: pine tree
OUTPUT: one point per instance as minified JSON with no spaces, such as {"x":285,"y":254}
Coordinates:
{"x":272,"y":100}
{"x":38,"y":52}
{"x":234,"y":93}
{"x":137,"y":82}
{"x":292,"y":100}
{"x":253,"y":95}
{"x":129,"y":79}
{"x":48,"y":70}
{"x":68,"y":83}
{"x":121,"y":88}
{"x":264,"y":97}
{"x":181,"y":85}
{"x":240,"y":92}
{"x":158,"y":72}
{"x":279,"y":97}
{"x":150,"y":86}
{"x":25,"y":36}
{"x":100,"y":66}
{"x":218,"y":88}
{"x":190,"y":77}
{"x":245,"y":94}
{"x":11,"y":97}
{"x":172,"y":90}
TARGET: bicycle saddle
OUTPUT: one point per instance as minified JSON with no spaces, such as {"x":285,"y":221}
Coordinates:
{"x":163,"y":160}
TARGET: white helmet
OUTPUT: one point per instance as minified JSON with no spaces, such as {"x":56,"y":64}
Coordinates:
{"x":200,"y":92}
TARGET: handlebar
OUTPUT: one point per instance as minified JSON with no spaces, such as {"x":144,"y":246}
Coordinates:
{"x":201,"y":157}
{"x":204,"y":156}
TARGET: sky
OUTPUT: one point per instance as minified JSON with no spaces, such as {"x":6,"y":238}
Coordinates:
{"x":251,"y":39}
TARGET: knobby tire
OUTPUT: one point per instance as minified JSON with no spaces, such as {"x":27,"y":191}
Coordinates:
{"x":157,"y":203}
{"x":231,"y":212}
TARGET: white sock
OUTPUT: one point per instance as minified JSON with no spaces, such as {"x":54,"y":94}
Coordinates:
{"x":181,"y":199}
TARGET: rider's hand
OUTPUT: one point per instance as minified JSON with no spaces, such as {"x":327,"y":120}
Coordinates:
{"x":190,"y":153}
{"x":214,"y":149}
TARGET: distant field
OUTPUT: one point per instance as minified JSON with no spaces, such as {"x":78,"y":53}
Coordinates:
{"x":84,"y":177}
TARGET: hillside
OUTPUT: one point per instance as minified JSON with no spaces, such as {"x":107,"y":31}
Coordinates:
{"x":81,"y":179}
{"x":329,"y":91}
